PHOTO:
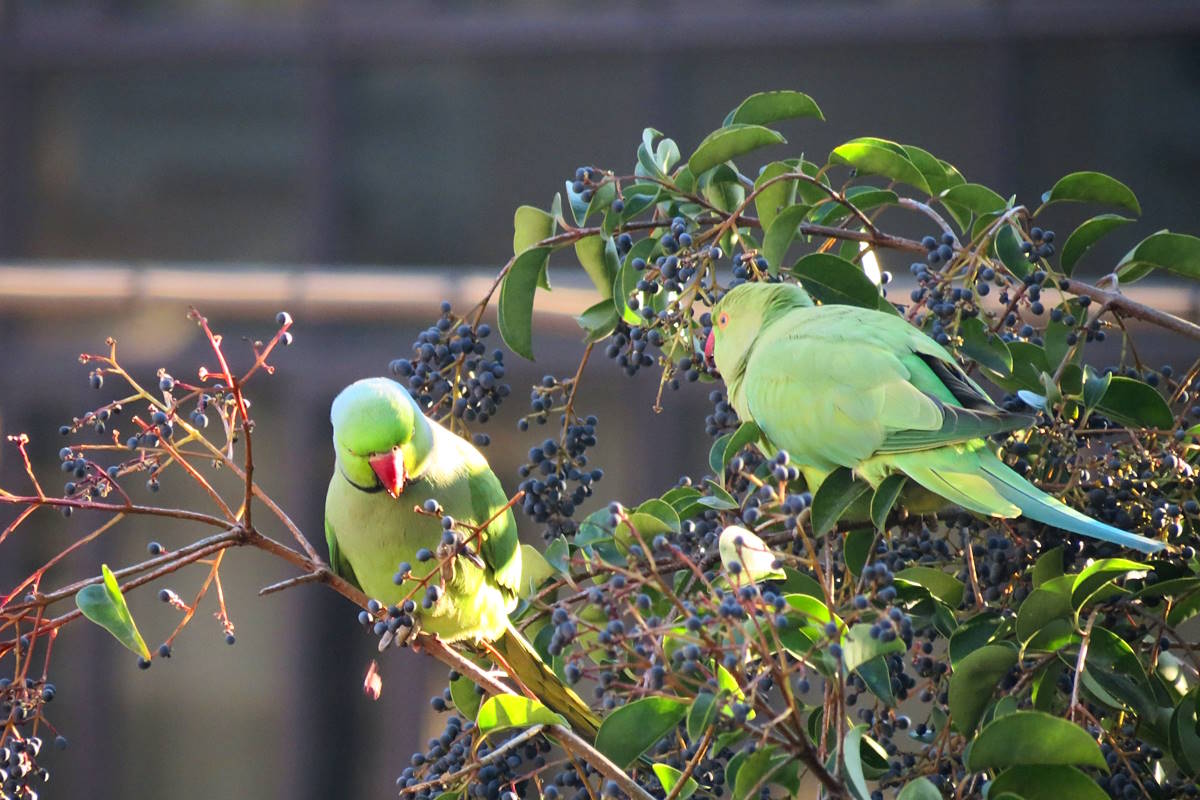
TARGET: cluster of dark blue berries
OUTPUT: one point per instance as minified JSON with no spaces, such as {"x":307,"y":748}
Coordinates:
{"x":21,"y":704}
{"x":585,"y":183}
{"x":557,"y":479}
{"x":452,"y":371}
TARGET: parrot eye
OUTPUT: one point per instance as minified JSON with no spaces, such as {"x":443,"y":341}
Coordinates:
{"x":722,"y":320}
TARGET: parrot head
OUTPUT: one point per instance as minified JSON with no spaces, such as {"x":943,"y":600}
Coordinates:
{"x":380,"y":437}
{"x":740,"y":315}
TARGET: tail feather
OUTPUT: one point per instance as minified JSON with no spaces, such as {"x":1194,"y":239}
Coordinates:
{"x":537,"y":676}
{"x":977,"y":480}
{"x":1040,"y":506}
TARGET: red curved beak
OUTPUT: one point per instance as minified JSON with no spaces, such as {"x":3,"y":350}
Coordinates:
{"x":389,"y":467}
{"x":708,"y":349}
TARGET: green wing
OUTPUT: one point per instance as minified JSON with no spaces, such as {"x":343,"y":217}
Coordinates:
{"x":835,"y":385}
{"x":337,"y":563}
{"x":499,"y":545}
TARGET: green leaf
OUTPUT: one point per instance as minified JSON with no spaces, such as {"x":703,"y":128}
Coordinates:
{"x":864,"y":198}
{"x":746,"y":435}
{"x":884,"y":499}
{"x":1174,"y":252}
{"x":1086,"y":235}
{"x":1098,"y":573}
{"x":716,"y":454}
{"x":780,"y":234}
{"x":872,"y":156}
{"x":941,"y":585}
{"x":104,"y":605}
{"x":974,"y":680}
{"x":1092,"y":187}
{"x":631,"y":730}
{"x":766,"y":107}
{"x":599,"y":320}
{"x":1008,"y":247}
{"x":852,"y":758}
{"x":535,"y":570}
{"x":972,"y":635}
{"x":857,"y":549}
{"x":920,"y":789}
{"x":1049,"y":565}
{"x":858,"y":647}
{"x":757,"y":770}
{"x":516,"y":300}
{"x":466,"y":699}
{"x":1041,"y":607}
{"x":875,"y":675}
{"x":1031,"y":782}
{"x":701,"y":715}
{"x":730,"y":142}
{"x":598,"y":257}
{"x":769,"y":201}
{"x":558,"y":553}
{"x":831,"y":279}
{"x":975,"y":197}
{"x":504,"y":711}
{"x":743,"y":547}
{"x":983,"y":346}
{"x":530,"y":226}
{"x":836,"y":494}
{"x":669,"y":777}
{"x":1028,"y":364}
{"x":1184,"y":736}
{"x":938,"y":174}
{"x":1032,"y":737}
{"x":1134,"y":403}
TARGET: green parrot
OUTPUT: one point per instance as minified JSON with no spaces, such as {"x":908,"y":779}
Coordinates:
{"x":842,"y":386}
{"x":390,"y":458}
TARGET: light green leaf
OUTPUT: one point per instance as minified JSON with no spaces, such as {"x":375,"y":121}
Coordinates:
{"x":852,"y":758}
{"x":769,"y":201}
{"x":1086,"y":235}
{"x":858,"y":647}
{"x":941,"y":585}
{"x":938,"y":174}
{"x":1031,"y":782}
{"x":669,"y":777}
{"x":104,"y":605}
{"x":1092,"y":187}
{"x":919,"y":789}
{"x":599,"y":320}
{"x":1098,"y":573}
{"x":516,"y":300}
{"x":535,"y":570}
{"x":1049,"y":565}
{"x":631,"y":730}
{"x":972,"y":635}
{"x":504,"y":711}
{"x":530,"y":226}
{"x":836,"y":494}
{"x":730,"y":142}
{"x":1174,"y":252}
{"x":1184,"y":734}
{"x":746,"y":435}
{"x":975,"y":197}
{"x":737,"y":545}
{"x":780,"y":234}
{"x":1033,"y":737}
{"x":974,"y":680}
{"x":702,"y":713}
{"x":872,"y":156}
{"x":466,"y":699}
{"x":1039,"y":609}
{"x":598,"y":257}
{"x":766,"y":107}
{"x":831,"y":279}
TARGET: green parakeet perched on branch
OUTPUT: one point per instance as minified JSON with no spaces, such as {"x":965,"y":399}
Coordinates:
{"x":390,"y":460}
{"x":842,"y":386}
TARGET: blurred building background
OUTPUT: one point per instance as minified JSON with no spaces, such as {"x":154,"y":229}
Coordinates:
{"x":244,"y":154}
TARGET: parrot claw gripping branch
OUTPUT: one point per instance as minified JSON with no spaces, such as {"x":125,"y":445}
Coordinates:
{"x":873,"y":529}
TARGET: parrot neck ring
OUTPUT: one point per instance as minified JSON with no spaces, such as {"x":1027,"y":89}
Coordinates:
{"x":389,"y":468}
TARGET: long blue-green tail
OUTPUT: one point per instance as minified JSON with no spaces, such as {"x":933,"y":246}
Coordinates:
{"x":1036,"y":504}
